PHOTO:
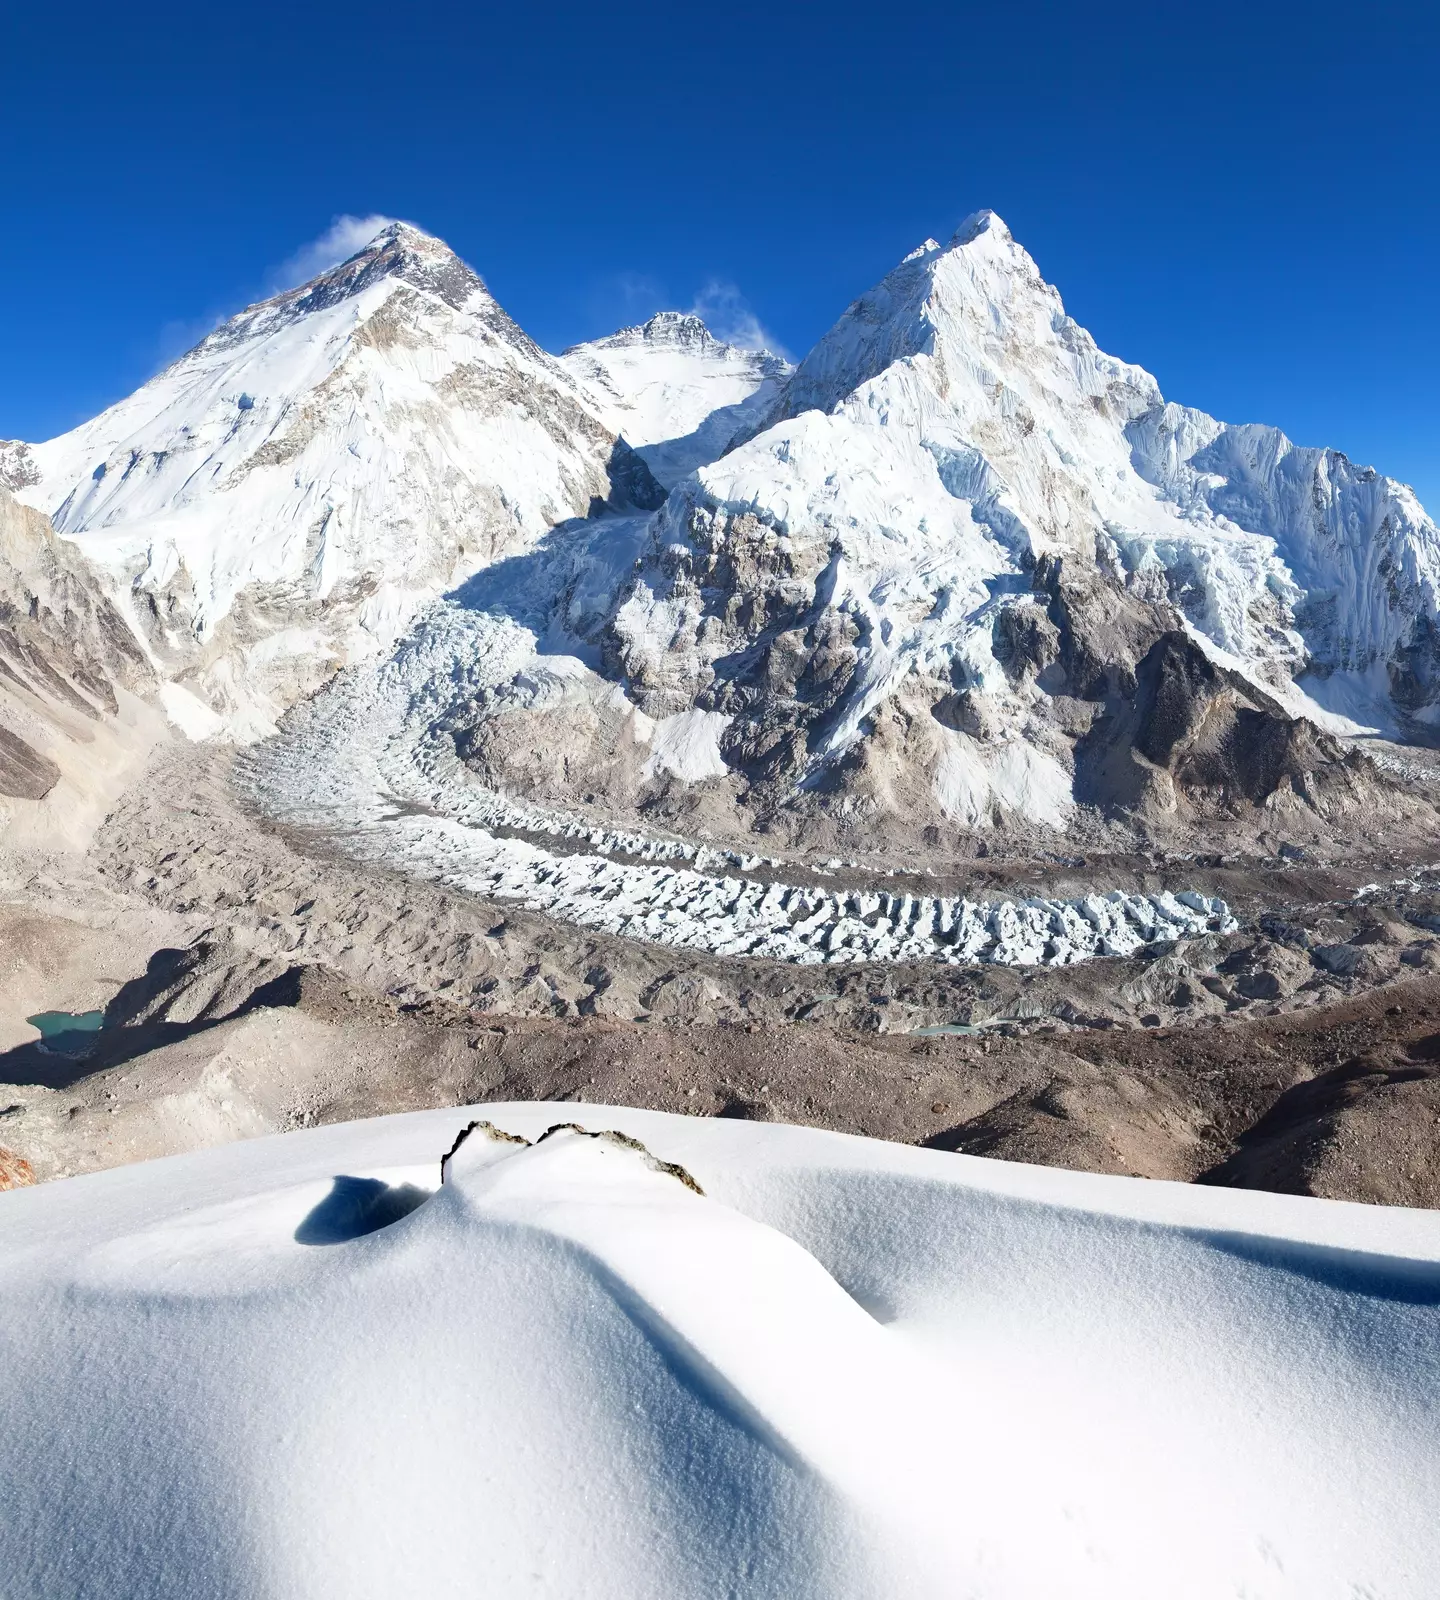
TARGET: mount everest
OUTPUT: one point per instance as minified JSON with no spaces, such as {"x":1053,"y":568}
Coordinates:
{"x":959,"y":568}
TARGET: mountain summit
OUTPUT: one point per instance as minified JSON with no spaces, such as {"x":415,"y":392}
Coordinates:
{"x":677,"y":393}
{"x":959,"y":566}
{"x":959,"y":529}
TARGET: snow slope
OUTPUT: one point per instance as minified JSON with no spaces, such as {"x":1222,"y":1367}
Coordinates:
{"x":676,"y":393}
{"x":280,"y":500}
{"x":845,"y":1369}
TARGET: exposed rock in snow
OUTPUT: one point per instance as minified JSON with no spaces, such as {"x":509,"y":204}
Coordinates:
{"x":15,"y":1171}
{"x":17,"y":466}
{"x":73,"y":721}
{"x":374,"y":762}
{"x":281,"y":499}
{"x":959,"y":570}
{"x":676,"y":393}
{"x":845,"y":1369}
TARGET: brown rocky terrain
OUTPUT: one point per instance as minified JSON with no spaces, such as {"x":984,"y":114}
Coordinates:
{"x":252,"y":980}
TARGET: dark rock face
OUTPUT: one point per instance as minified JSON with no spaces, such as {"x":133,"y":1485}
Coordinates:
{"x":1176,"y":688}
{"x":631,"y":481}
{"x":24,"y":773}
{"x":1415,"y":669}
{"x":1192,"y":735}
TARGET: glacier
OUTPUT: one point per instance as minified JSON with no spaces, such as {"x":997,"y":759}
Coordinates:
{"x":956,"y":515}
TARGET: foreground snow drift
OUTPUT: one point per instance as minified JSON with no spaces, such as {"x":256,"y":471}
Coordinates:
{"x":846,"y":1368}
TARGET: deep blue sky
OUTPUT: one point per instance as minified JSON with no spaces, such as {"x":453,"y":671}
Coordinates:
{"x":1242,"y":198}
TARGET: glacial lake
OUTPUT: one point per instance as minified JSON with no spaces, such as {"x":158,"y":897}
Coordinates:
{"x":68,"y":1033}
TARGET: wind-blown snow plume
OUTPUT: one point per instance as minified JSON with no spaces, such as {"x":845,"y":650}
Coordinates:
{"x":280,"y":500}
{"x":345,"y":236}
{"x":722,"y":306}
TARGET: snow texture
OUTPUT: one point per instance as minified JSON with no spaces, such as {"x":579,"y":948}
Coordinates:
{"x":334,"y":456}
{"x":953,"y":429}
{"x":688,"y":745}
{"x":287,"y":498}
{"x":300,"y":1367}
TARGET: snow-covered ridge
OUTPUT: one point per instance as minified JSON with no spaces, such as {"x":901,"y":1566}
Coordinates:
{"x":841,"y":1369}
{"x":956,"y":513}
{"x":677,"y":393}
{"x":955,"y":435}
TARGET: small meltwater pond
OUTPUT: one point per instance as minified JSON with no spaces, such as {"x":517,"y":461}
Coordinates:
{"x":68,"y":1033}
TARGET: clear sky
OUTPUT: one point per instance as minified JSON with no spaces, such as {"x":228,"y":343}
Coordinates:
{"x":1242,"y":198}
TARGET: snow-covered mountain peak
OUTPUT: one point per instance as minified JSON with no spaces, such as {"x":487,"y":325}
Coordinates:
{"x":960,"y":503}
{"x":681,"y":328}
{"x":977,"y":223}
{"x":408,"y":253}
{"x":977,"y":305}
{"x":400,"y":258}
{"x":677,"y":393}
{"x":286,"y":493}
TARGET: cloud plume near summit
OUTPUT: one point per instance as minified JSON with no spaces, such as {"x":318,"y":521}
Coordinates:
{"x":729,"y":316}
{"x":345,"y":235}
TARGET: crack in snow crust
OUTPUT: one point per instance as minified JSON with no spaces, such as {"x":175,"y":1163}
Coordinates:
{"x":368,"y":763}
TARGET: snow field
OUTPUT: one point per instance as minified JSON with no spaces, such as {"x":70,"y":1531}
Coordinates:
{"x":848,"y":1368}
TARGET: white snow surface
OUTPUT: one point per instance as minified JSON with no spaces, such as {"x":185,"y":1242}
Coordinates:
{"x":847,"y":1369}
{"x":688,"y":745}
{"x":677,"y":393}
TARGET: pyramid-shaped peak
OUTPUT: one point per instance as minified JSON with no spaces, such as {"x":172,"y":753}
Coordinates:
{"x":676,"y":327}
{"x":399,"y":236}
{"x":977,"y":225}
{"x":399,"y":250}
